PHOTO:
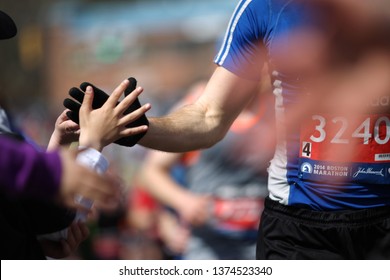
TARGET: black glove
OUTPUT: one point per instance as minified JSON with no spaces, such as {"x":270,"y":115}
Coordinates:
{"x":100,"y":97}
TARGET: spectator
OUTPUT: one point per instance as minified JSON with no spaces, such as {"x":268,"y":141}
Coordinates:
{"x":56,"y":176}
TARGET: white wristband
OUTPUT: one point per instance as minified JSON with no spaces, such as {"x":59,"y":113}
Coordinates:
{"x":94,"y":160}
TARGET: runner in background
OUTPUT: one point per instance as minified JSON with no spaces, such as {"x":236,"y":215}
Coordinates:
{"x":222,"y":196}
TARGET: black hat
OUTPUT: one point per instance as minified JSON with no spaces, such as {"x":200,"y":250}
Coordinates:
{"x":7,"y":26}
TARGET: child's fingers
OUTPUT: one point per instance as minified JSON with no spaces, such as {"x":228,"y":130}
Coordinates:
{"x":116,"y":94}
{"x":128,"y":100}
{"x":126,"y":119}
{"x":86,"y":106}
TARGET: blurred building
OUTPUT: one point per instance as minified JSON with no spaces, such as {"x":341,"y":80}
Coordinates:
{"x":166,"y":45}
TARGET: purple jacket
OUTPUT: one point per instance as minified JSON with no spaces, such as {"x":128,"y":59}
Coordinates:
{"x":28,"y":172}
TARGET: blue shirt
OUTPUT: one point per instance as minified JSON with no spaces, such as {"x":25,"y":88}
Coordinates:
{"x":306,"y":170}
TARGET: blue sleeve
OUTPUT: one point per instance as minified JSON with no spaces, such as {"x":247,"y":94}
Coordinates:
{"x":242,"y":51}
{"x":28,"y":172}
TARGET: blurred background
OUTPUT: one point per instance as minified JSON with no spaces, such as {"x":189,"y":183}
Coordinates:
{"x":166,"y":45}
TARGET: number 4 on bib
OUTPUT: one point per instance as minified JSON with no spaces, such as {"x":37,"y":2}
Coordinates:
{"x":306,"y":149}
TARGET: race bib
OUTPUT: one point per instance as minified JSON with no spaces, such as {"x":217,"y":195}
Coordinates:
{"x":335,"y":148}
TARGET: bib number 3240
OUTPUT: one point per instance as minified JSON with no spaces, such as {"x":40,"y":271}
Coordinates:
{"x":368,"y":135}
